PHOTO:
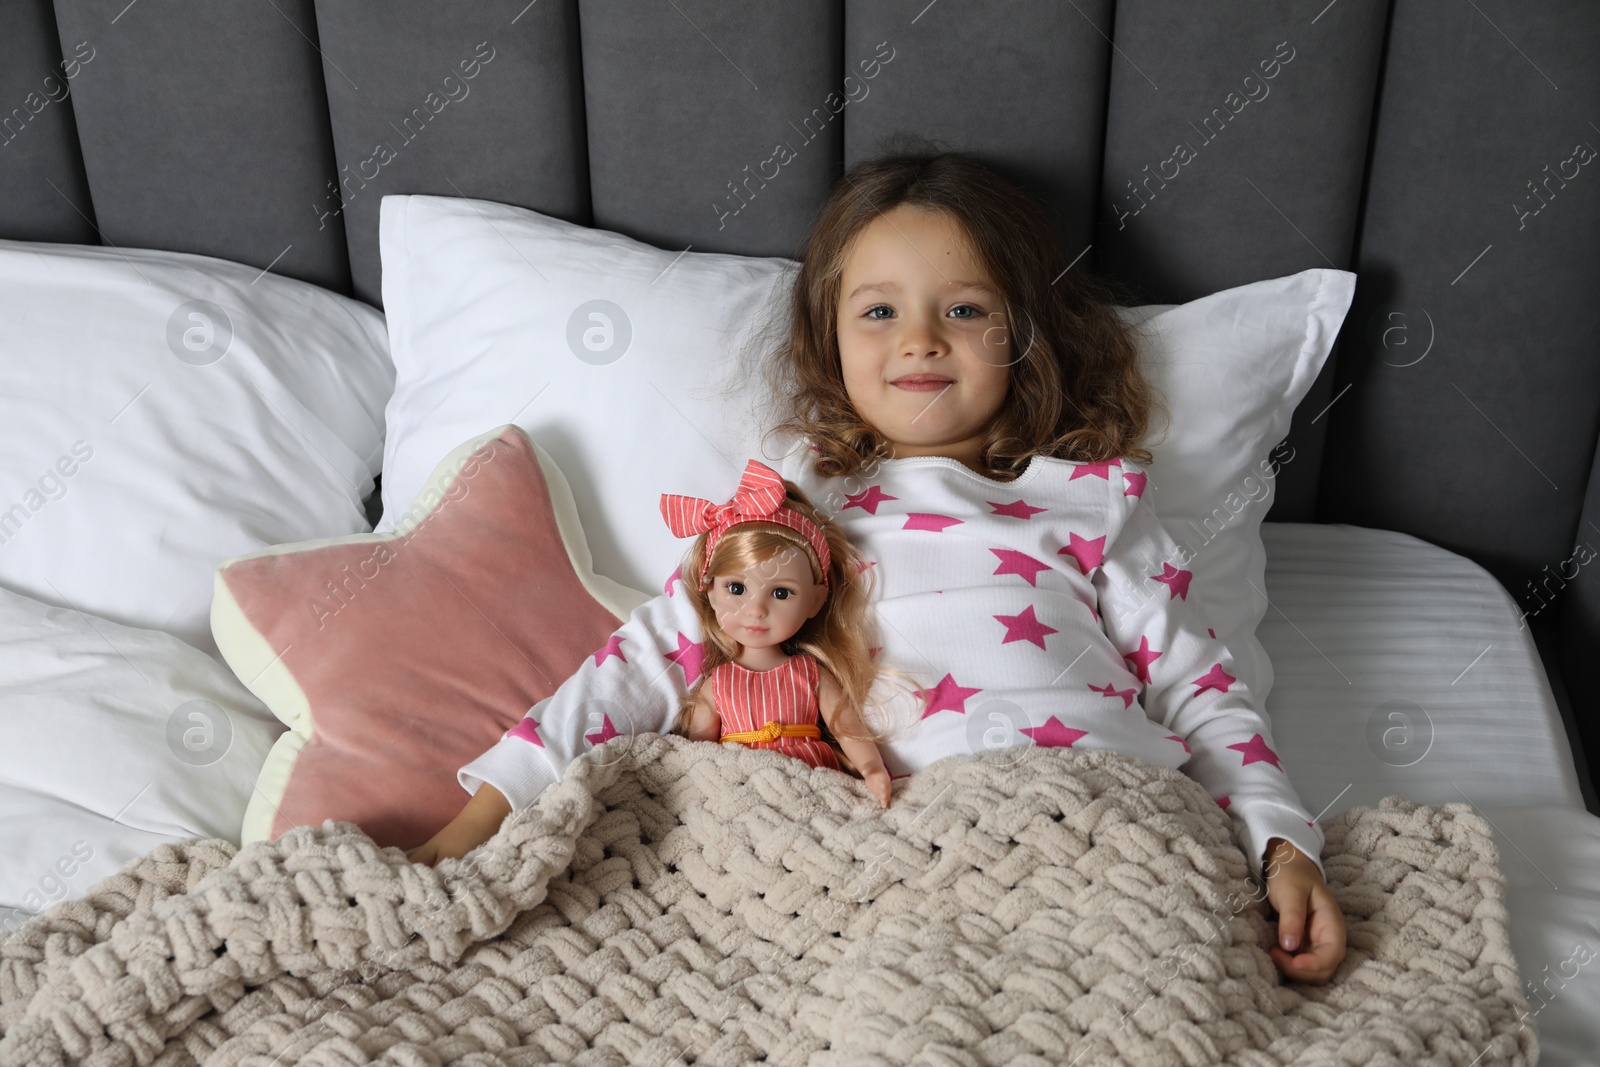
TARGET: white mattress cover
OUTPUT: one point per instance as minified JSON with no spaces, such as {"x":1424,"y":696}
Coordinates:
{"x":1361,"y":620}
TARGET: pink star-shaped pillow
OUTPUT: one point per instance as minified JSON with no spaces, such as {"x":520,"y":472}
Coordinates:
{"x":396,"y":658}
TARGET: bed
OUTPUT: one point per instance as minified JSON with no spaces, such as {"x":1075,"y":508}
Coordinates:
{"x":1425,"y":611}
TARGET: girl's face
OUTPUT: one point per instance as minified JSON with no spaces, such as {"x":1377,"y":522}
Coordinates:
{"x":766,"y":604}
{"x":914,"y":302}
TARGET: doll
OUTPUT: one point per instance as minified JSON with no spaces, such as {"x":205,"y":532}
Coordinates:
{"x":783,"y":604}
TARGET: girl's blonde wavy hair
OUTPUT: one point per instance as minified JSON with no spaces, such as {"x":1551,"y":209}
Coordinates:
{"x":1077,"y":391}
{"x":838,"y":635}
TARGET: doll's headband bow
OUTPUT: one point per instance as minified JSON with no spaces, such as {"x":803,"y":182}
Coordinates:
{"x":759,"y":498}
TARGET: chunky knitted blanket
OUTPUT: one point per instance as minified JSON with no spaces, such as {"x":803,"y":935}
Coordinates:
{"x":673,"y":902}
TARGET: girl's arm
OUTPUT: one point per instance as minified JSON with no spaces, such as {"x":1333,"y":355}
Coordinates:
{"x":842,"y":720}
{"x":644,"y":674}
{"x":633,"y":684}
{"x":1191,"y":687}
{"x":485,"y":810}
{"x":1190,"y":680}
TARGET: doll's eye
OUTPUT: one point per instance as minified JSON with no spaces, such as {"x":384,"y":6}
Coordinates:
{"x":736,"y":588}
{"x":781,"y":593}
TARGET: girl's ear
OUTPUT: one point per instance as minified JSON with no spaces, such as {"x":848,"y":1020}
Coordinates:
{"x":819,"y":597}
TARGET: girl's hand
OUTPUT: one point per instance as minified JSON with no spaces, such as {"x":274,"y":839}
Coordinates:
{"x":1310,"y":925}
{"x":877,"y":780}
{"x":478,"y":821}
{"x":453,"y":842}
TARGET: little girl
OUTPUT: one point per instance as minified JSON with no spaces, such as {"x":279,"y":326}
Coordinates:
{"x":769,"y":565}
{"x":969,"y":413}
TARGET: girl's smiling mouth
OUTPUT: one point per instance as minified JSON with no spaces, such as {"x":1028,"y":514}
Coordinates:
{"x":922,"y":383}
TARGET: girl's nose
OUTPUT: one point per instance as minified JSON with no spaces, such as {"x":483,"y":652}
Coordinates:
{"x":923,"y":346}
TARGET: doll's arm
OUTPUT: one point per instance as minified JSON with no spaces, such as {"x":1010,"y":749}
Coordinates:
{"x":704,"y":722}
{"x":843,"y":722}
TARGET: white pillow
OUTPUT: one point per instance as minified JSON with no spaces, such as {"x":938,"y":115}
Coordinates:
{"x":615,"y":357}
{"x":486,"y":305}
{"x":164,"y":412}
{"x":1231,"y":368}
{"x":116,"y":740}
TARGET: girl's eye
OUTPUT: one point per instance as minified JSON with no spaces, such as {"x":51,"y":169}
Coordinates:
{"x":736,"y":588}
{"x":781,"y":594}
{"x":976,"y":312}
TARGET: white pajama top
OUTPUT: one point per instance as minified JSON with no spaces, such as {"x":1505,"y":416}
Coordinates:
{"x":1046,"y":610}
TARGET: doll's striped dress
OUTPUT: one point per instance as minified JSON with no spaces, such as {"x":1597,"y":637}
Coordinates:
{"x":747,"y":700}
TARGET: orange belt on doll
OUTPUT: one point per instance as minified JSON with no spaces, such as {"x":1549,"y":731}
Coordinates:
{"x":774,"y":730}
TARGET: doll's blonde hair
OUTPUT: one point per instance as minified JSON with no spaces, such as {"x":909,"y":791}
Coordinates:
{"x":837,"y":635}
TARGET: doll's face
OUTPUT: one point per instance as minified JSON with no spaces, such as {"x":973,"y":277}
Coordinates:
{"x":767,"y":603}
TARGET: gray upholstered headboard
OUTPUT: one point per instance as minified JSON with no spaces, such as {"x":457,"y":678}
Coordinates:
{"x":1442,"y":149}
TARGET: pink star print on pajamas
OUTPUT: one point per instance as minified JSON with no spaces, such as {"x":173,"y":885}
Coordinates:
{"x":527,"y":730}
{"x":689,"y":655}
{"x":946,"y":695}
{"x":1216,"y":678}
{"x":1087,"y":554}
{"x":1142,"y":658}
{"x":606,"y":732}
{"x":1095,"y":470}
{"x":1256,"y":751}
{"x":1020,"y":564}
{"x":1110,"y":690}
{"x":1055,"y":734}
{"x":1176,"y":581}
{"x":1017,"y":509}
{"x":922,"y":520}
{"x":868,"y":499}
{"x":1024,"y":627}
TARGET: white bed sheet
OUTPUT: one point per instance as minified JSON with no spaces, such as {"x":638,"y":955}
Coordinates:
{"x":1367,"y":624}
{"x":1371,"y":633}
